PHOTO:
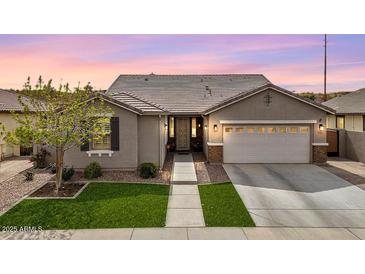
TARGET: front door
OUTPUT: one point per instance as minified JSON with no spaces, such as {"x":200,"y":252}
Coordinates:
{"x":182,"y":133}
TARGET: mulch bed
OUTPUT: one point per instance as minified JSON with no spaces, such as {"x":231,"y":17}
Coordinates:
{"x":66,"y":190}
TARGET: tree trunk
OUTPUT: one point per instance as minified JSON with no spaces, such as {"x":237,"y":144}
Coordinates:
{"x":59,"y":167}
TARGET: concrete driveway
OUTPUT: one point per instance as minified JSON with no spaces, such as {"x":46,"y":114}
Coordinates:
{"x":297,"y":195}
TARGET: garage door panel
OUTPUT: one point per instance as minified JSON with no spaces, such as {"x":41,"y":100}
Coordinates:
{"x":272,"y":145}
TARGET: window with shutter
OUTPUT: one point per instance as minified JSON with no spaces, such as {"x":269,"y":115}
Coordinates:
{"x":103,"y":142}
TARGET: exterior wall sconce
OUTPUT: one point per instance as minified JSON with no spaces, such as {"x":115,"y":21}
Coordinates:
{"x":321,"y":127}
{"x":215,"y":127}
{"x":199,"y":125}
{"x":205,"y":126}
{"x":165,"y":126}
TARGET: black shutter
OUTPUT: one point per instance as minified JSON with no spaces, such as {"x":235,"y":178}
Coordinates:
{"x":114,"y":126}
{"x":85,"y":146}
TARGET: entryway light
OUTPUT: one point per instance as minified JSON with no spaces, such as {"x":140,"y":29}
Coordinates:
{"x":205,"y":126}
{"x":165,"y":126}
{"x":215,"y":128}
{"x":321,"y":127}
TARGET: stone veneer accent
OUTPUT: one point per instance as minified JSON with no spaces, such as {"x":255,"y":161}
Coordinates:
{"x":215,"y":154}
{"x":319,"y":154}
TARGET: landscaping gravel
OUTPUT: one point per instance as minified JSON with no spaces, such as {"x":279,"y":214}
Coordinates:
{"x":163,"y":176}
{"x":207,"y":172}
{"x":15,"y":188}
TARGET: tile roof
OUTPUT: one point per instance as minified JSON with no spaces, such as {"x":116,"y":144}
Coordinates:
{"x":244,"y":95}
{"x":137,"y":102}
{"x":9,"y":101}
{"x":182,"y":94}
{"x":353,"y":102}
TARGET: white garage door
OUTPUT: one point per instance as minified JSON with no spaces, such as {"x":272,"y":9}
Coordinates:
{"x":266,"y":144}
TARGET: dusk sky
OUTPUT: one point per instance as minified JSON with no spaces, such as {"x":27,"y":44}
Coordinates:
{"x":294,"y":62}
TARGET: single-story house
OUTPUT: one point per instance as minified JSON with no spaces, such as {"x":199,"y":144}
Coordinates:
{"x":232,"y":118}
{"x":346,"y":135}
{"x":9,"y":103}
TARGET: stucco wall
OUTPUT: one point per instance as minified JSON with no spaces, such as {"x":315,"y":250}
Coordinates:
{"x":282,"y":107}
{"x":148,"y":139}
{"x":354,"y":143}
{"x":10,"y":124}
{"x":125,"y":158}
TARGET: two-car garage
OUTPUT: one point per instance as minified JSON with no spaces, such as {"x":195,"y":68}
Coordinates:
{"x":266,"y":143}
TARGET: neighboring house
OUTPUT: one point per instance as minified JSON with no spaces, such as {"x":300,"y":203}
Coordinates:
{"x":9,"y":103}
{"x":240,"y":118}
{"x":347,"y":127}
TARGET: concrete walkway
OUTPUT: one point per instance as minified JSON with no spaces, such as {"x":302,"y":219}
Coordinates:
{"x":183,"y":169}
{"x":184,"y":208}
{"x":184,"y":233}
{"x":353,"y":167}
{"x":10,"y":168}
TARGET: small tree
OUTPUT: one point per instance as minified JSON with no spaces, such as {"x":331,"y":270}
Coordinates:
{"x":59,"y":118}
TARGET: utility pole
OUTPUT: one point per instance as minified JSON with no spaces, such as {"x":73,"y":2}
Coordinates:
{"x":325,"y":68}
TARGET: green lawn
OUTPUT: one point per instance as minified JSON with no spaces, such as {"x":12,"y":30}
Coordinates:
{"x":222,"y":206}
{"x":100,"y":205}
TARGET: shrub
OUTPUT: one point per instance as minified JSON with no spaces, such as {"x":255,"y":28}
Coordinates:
{"x":29,"y":175}
{"x":40,"y":158}
{"x":93,"y":170}
{"x":52,"y":168}
{"x":67,"y":173}
{"x":148,"y":170}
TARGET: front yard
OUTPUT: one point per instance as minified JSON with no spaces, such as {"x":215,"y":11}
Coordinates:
{"x":100,"y":205}
{"x":222,"y":206}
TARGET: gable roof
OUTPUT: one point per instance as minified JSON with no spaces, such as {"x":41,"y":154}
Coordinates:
{"x":192,"y":94}
{"x":183,"y":94}
{"x":9,"y":101}
{"x":351,"y":103}
{"x":245,"y":95}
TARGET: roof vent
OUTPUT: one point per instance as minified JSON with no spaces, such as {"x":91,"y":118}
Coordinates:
{"x":209,"y":90}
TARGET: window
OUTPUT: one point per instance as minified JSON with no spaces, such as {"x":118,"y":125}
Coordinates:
{"x":171,"y":127}
{"x":304,"y":130}
{"x":250,"y":130}
{"x":282,"y":129}
{"x":193,"y":127}
{"x":293,"y":130}
{"x":228,"y":130}
{"x":271,"y":130}
{"x":102,"y":142}
{"x":261,"y":130}
{"x":239,"y":129}
{"x":340,"y":122}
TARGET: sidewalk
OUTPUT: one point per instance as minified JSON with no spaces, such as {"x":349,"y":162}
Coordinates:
{"x":184,"y":208}
{"x":201,"y":233}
